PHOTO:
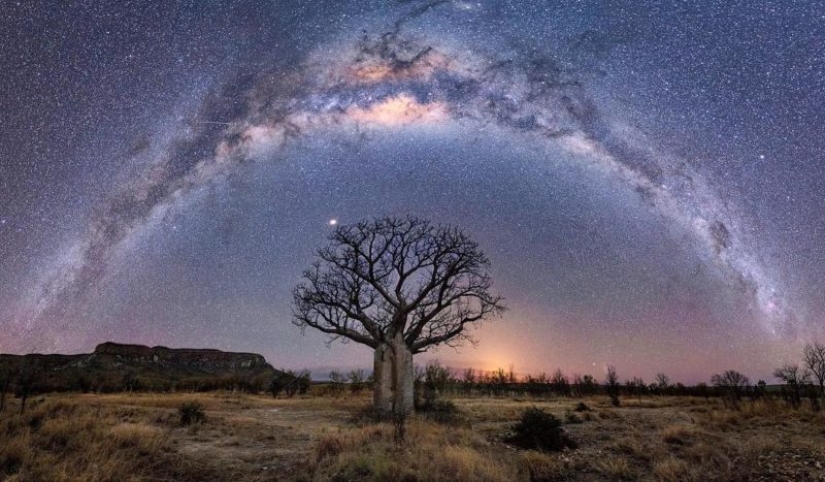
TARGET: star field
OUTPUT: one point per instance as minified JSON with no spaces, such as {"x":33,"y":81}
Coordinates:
{"x":647,"y":178}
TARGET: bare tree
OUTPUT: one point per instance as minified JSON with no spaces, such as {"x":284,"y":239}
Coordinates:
{"x":814,"y":358}
{"x":400,"y":286}
{"x":612,"y":385}
{"x":559,"y":383}
{"x":662,"y":382}
{"x":28,"y":374}
{"x":732,"y":383}
{"x":795,"y":378}
{"x":637,"y":385}
{"x":337,"y":380}
{"x":357,"y":378}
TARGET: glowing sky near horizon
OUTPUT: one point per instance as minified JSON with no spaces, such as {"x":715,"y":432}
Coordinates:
{"x":647,"y":178}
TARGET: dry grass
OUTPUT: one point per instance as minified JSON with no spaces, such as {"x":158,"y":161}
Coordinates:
{"x":249,"y":438}
{"x":61,"y":441}
{"x":428,"y":452}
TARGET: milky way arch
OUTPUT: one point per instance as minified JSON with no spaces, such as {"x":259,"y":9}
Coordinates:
{"x":391,"y":80}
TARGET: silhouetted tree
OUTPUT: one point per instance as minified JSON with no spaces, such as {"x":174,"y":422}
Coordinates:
{"x":637,"y":386}
{"x":357,"y":379}
{"x":469,"y":379}
{"x":27,"y":375}
{"x":337,"y":379}
{"x":303,"y":382}
{"x":732,"y":384}
{"x":795,"y":378}
{"x":511,"y":375}
{"x":289,"y":383}
{"x":662,"y":383}
{"x":586,"y":384}
{"x":703,"y":390}
{"x":814,"y":358}
{"x":130,"y":381}
{"x":498,"y":380}
{"x":612,"y":385}
{"x":432,"y":380}
{"x":400,"y":286}
{"x":559,"y":383}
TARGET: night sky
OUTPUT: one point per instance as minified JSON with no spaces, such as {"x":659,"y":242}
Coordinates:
{"x":647,"y":178}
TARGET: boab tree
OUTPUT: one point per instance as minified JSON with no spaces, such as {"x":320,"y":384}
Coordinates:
{"x":400,"y":286}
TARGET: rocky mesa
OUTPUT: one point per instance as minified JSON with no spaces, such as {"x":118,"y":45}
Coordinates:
{"x":116,"y":366}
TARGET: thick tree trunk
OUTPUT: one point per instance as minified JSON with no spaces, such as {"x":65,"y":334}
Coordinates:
{"x":403,"y":377}
{"x":382,"y":373}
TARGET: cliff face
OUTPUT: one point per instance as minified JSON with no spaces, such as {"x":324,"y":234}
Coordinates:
{"x":114,"y":367}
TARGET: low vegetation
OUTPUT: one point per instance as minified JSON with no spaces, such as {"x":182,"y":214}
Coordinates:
{"x":66,"y":437}
{"x":484,"y":426}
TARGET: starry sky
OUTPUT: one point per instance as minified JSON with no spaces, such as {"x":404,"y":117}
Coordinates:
{"x":647,"y":178}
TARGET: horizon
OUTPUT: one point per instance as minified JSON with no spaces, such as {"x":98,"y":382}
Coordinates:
{"x":321,"y":372}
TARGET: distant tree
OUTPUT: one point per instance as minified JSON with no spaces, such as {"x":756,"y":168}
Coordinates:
{"x":612,"y":385}
{"x":703,"y":390}
{"x":662,"y":382}
{"x":276,"y":386}
{"x":732,"y":384}
{"x":400,"y":286}
{"x":303,"y":382}
{"x":357,"y":379}
{"x":586,"y":384}
{"x":637,"y":386}
{"x":336,"y":376}
{"x":511,"y":375}
{"x":814,"y":358}
{"x":795,"y":378}
{"x":433,"y":382}
{"x":559,"y":383}
{"x":27,"y":375}
{"x":338,"y":380}
{"x":469,"y":379}
{"x":290,"y":383}
{"x":130,"y":381}
{"x":760,"y":390}
{"x":498,"y":379}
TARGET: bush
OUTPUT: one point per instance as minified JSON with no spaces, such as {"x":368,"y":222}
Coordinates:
{"x":442,"y":411}
{"x":582,"y":407}
{"x":540,"y":430}
{"x":570,"y":417}
{"x":191,"y":412}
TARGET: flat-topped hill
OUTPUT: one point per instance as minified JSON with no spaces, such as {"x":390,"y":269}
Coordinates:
{"x":116,"y":366}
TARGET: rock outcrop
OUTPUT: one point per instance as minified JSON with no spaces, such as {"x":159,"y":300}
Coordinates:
{"x":208,"y":360}
{"x":115,"y":366}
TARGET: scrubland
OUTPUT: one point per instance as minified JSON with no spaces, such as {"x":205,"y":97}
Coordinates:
{"x":139,"y":437}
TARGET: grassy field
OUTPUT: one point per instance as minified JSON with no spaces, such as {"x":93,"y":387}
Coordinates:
{"x":131,"y":437}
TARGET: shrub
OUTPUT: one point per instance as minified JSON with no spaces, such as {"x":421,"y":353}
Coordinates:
{"x":430,"y":384}
{"x":570,"y":417}
{"x":191,"y":412}
{"x":582,"y":407}
{"x":442,"y":411}
{"x":540,"y":430}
